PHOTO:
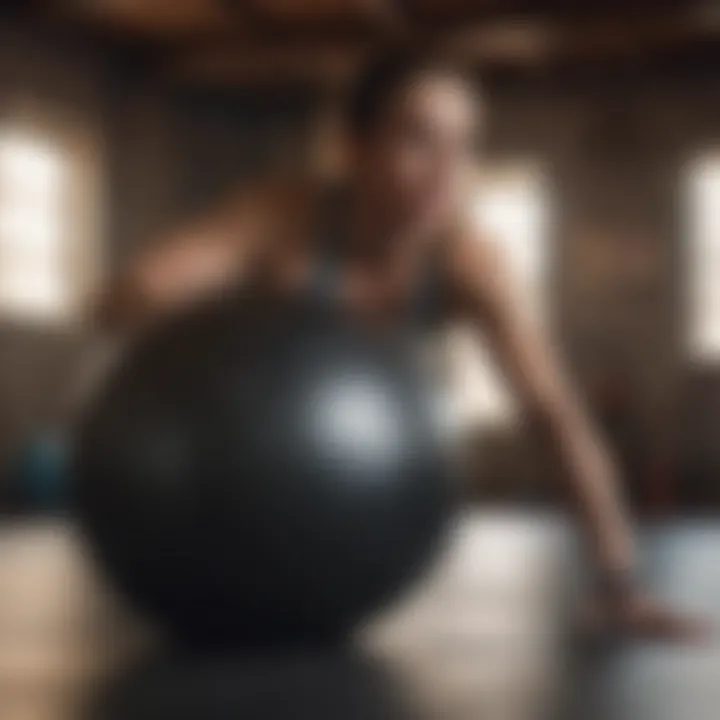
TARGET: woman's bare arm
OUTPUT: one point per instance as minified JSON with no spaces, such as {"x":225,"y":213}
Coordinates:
{"x":490,"y":298}
{"x":187,"y":264}
{"x":488,"y":295}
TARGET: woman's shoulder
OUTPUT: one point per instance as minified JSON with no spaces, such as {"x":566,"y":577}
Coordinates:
{"x":467,"y":239}
{"x":474,"y":260}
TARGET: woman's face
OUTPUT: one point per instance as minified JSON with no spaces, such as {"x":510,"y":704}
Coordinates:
{"x":420,"y":157}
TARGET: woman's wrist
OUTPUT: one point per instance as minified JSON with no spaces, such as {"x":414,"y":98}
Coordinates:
{"x":616,"y":584}
{"x":618,"y":566}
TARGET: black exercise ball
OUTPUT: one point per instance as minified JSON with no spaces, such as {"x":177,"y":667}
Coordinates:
{"x":263,"y":473}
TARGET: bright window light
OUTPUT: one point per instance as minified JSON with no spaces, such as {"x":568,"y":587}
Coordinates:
{"x":703,"y":247}
{"x":34,"y":278}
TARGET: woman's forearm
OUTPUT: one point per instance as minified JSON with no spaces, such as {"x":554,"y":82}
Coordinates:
{"x":593,"y":479}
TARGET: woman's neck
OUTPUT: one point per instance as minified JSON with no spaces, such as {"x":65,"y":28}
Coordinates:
{"x":376,"y":236}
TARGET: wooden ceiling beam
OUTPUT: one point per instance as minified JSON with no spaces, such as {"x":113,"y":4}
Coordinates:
{"x":160,"y":21}
{"x":528,"y":41}
{"x":326,"y":64}
{"x":319,"y":12}
{"x":324,"y":20}
{"x":520,"y":46}
{"x":269,"y":41}
{"x":444,"y":13}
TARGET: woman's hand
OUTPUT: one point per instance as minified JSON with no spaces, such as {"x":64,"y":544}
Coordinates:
{"x":636,"y":614}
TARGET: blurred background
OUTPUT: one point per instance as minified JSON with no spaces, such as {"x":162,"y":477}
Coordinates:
{"x":121,"y":118}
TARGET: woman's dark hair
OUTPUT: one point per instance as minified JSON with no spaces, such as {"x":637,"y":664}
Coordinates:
{"x":390,"y":74}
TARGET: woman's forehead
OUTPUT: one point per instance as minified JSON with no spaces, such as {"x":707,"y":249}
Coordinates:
{"x":443,"y":98}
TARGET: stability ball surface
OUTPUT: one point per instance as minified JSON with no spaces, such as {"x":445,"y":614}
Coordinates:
{"x":263,"y":474}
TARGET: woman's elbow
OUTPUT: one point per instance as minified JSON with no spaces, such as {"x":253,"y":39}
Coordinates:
{"x":122,"y":307}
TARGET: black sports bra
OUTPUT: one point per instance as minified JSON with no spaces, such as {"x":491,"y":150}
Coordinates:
{"x":427,"y":307}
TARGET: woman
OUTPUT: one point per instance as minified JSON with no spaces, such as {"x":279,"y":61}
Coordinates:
{"x":399,"y":244}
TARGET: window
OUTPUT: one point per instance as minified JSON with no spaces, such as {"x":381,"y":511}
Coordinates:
{"x":35,"y":228}
{"x":513,"y":205}
{"x":703,"y":266}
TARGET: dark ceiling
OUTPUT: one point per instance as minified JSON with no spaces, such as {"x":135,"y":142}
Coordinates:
{"x":261,"y":41}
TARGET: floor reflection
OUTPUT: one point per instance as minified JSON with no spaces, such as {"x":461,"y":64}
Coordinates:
{"x":321,"y":685}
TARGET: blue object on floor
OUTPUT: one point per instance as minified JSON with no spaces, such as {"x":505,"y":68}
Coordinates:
{"x":40,"y":472}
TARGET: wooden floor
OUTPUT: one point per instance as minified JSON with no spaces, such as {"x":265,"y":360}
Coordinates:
{"x":482,"y":636}
{"x":475,"y":637}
